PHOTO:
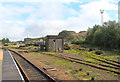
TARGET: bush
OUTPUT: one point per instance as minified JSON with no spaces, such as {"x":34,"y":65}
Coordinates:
{"x":106,"y":36}
{"x":93,"y":78}
{"x":80,"y":69}
{"x":74,"y":40}
{"x":88,"y":73}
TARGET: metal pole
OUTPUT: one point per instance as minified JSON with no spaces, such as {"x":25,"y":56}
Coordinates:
{"x":101,"y":11}
{"x":118,"y":23}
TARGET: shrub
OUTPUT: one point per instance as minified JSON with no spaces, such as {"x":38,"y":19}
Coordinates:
{"x":88,"y":73}
{"x":92,"y":77}
{"x":80,"y":69}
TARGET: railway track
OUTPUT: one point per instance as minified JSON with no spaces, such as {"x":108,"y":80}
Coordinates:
{"x":95,"y":63}
{"x":30,"y":71}
{"x":105,"y":60}
{"x":89,"y":63}
{"x":118,"y":62}
{"x":108,"y":62}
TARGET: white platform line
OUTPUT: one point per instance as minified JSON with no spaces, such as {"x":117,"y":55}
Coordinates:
{"x":16,"y":66}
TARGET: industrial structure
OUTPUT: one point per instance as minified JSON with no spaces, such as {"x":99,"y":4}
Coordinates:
{"x":119,"y":14}
{"x":101,"y":11}
{"x":54,"y":43}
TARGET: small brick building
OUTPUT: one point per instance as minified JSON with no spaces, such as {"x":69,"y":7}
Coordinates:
{"x":54,"y":42}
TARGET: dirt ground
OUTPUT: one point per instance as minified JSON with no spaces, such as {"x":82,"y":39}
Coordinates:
{"x":67,"y":70}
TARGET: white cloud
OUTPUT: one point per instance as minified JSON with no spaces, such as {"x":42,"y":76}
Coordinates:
{"x":49,"y":18}
{"x":11,"y":30}
{"x":41,"y":28}
{"x":48,"y":11}
{"x":92,"y":10}
{"x":38,"y":0}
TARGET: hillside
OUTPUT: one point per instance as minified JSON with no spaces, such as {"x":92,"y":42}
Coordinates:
{"x":69,"y":35}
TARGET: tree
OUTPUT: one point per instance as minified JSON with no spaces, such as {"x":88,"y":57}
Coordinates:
{"x":5,"y":40}
{"x":107,"y":36}
{"x":80,"y":39}
{"x":89,"y":36}
{"x":74,"y":40}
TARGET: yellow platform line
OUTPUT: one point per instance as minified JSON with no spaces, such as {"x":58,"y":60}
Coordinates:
{"x":1,"y":55}
{"x":1,"y":62}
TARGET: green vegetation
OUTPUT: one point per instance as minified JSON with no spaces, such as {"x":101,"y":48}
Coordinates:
{"x":72,"y":36}
{"x":107,"y":36}
{"x":66,"y":33}
{"x":37,"y":39}
{"x":91,"y":56}
{"x":29,"y":48}
{"x":8,"y":47}
{"x":74,"y":70}
{"x":89,"y":72}
{"x":5,"y":40}
{"x":74,"y":40}
{"x":58,"y":61}
{"x":80,"y":69}
{"x":93,"y":77}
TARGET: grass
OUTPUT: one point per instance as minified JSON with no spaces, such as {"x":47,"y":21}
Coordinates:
{"x":57,"y":61}
{"x":29,"y":47}
{"x":69,"y":66}
{"x":86,"y":79}
{"x":97,"y":74}
{"x":89,"y":56}
{"x":9,"y":46}
{"x":80,"y":69}
{"x":75,"y":72}
{"x":114,"y":74}
{"x":89,"y":72}
{"x":93,"y":77}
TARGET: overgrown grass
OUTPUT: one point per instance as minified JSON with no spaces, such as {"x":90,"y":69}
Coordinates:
{"x":29,"y":47}
{"x":89,"y":56}
{"x":75,"y":72}
{"x":10,"y":47}
{"x":58,"y":61}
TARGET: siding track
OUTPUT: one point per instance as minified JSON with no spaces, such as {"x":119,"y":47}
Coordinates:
{"x":115,"y":68}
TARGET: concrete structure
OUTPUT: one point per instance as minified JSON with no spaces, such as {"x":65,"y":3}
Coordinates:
{"x":119,"y":14}
{"x":54,"y":42}
{"x":10,"y":71}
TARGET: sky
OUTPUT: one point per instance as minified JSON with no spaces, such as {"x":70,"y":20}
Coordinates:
{"x":37,"y":18}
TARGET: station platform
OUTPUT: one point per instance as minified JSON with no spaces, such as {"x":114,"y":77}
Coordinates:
{"x":1,"y":59}
{"x":10,"y":71}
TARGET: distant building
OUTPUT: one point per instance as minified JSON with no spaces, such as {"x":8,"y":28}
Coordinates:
{"x":27,"y":39}
{"x":19,"y":42}
{"x":41,"y":40}
{"x":54,"y":42}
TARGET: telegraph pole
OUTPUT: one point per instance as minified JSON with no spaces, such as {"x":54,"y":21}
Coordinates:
{"x":101,"y":11}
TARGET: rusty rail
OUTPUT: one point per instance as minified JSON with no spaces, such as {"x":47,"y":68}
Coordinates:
{"x":49,"y":78}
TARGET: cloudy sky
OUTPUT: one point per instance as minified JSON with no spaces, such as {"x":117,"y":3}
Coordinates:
{"x":36,"y":18}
